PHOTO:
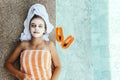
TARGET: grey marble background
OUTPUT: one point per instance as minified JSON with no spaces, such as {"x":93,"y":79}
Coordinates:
{"x":12,"y":16}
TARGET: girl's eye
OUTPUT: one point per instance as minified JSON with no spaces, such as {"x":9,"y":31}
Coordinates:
{"x":40,"y":26}
{"x":33,"y":26}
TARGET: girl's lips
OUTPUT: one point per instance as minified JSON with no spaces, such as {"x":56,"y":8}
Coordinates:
{"x":36,"y":32}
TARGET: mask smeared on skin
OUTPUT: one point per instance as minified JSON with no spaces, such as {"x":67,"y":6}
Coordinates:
{"x":37,"y":27}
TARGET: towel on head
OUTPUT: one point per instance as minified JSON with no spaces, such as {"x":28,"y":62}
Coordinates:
{"x":40,"y":10}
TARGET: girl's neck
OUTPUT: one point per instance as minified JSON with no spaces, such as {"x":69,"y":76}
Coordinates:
{"x":37,"y":41}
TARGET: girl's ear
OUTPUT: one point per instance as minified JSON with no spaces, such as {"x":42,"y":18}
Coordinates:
{"x":44,"y":33}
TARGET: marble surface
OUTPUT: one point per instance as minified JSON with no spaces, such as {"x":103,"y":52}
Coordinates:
{"x":75,"y":19}
{"x":12,"y":15}
{"x":88,"y":57}
{"x":100,"y":40}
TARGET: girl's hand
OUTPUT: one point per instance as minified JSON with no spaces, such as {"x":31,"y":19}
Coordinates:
{"x":25,"y":76}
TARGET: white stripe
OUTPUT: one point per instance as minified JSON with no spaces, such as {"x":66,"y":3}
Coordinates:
{"x":48,"y":57}
{"x":24,"y":66}
{"x":36,"y":62}
{"x":42,"y":60}
{"x":49,"y":64}
{"x":30,"y":64}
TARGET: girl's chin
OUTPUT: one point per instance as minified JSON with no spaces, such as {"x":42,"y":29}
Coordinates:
{"x":37,"y":36}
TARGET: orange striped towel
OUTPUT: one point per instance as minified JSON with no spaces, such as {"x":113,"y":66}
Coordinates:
{"x":36,"y":63}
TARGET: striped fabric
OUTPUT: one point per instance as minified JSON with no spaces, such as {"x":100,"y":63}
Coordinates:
{"x":36,"y":63}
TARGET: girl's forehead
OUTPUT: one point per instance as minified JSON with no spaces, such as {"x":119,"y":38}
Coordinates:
{"x":37,"y":20}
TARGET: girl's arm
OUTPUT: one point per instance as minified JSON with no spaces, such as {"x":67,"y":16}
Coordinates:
{"x":9,"y":64}
{"x":55,"y":60}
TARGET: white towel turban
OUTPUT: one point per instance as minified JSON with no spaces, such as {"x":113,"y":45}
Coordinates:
{"x":40,"y":10}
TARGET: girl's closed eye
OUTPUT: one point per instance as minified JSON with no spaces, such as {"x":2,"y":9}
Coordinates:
{"x":41,"y":26}
{"x":33,"y":25}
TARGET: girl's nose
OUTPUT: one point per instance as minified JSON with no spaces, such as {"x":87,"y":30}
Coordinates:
{"x":36,"y":28}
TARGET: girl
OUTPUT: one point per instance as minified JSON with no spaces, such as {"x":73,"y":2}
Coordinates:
{"x":36,"y":51}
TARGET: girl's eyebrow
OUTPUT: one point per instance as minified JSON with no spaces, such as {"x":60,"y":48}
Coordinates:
{"x":39,"y":24}
{"x":32,"y":23}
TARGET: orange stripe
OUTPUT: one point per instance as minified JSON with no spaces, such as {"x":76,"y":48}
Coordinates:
{"x":27,"y":62}
{"x":49,"y":65}
{"x":34,"y":65}
{"x":40,"y":65}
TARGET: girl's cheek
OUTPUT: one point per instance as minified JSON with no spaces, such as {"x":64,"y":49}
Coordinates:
{"x":32,"y":30}
{"x":40,"y":29}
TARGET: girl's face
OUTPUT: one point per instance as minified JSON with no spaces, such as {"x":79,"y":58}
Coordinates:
{"x":37,"y":27}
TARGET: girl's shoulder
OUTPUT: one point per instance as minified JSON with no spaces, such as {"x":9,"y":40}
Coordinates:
{"x":49,"y":43}
{"x":24,"y":44}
